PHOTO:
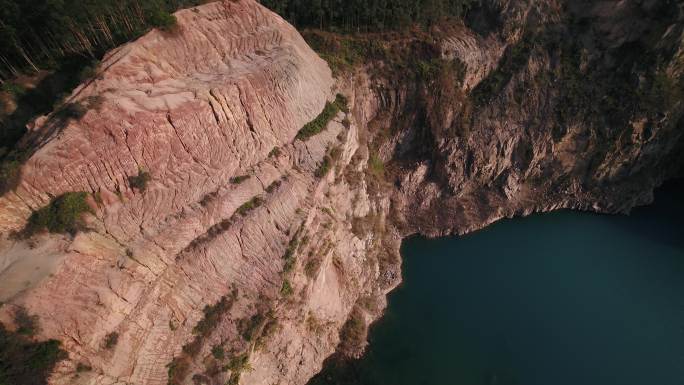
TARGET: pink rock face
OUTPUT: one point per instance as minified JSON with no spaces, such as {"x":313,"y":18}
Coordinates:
{"x":192,"y":107}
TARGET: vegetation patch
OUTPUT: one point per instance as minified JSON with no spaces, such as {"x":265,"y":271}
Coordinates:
{"x":513,"y":59}
{"x":325,"y":167}
{"x":353,"y":332}
{"x":273,"y":186}
{"x":313,"y":265}
{"x":237,"y":365}
{"x":353,"y":17}
{"x":26,"y":362}
{"x":376,"y":166}
{"x":321,"y":122}
{"x":218,"y":352}
{"x":179,"y":368}
{"x":239,"y":179}
{"x":63,"y":215}
{"x":26,"y":323}
{"x":111,"y":340}
{"x":140,"y":181}
{"x":289,"y":256}
{"x":10,"y":171}
{"x":250,"y":205}
{"x":249,"y":327}
{"x":275,"y":152}
{"x":286,"y":290}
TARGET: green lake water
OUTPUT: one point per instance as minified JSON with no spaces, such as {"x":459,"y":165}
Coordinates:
{"x":563,"y":298}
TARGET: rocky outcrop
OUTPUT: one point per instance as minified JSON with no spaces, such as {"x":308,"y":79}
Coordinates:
{"x":253,"y":247}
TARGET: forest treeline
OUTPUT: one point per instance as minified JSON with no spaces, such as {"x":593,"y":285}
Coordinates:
{"x":367,"y":15}
{"x":40,"y":34}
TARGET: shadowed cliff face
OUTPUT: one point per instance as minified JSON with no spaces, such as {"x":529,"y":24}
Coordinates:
{"x":553,"y":105}
{"x":252,"y":247}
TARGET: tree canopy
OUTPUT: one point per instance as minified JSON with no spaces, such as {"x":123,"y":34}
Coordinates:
{"x":39,"y":34}
{"x":366,"y":15}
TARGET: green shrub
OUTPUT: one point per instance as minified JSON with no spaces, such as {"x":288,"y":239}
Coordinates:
{"x":376,"y":166}
{"x":239,"y":179}
{"x":320,"y":123}
{"x":249,"y":326}
{"x":286,"y":290}
{"x":140,"y":181}
{"x":353,"y":332}
{"x":72,"y":110}
{"x":275,"y":152}
{"x":250,"y":205}
{"x":23,"y":361}
{"x":325,"y":167}
{"x":62,"y":215}
{"x":317,"y":125}
{"x":218,"y":352}
{"x":111,"y":339}
{"x":163,"y":20}
{"x":26,"y":323}
{"x":312,"y":267}
{"x":16,"y":90}
{"x":237,"y":365}
{"x":289,"y":256}
{"x":212,"y":316}
{"x":10,"y":171}
{"x":179,"y":367}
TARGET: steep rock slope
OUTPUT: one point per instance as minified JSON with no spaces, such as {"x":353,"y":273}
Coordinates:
{"x":210,"y":111}
{"x":549,"y":105}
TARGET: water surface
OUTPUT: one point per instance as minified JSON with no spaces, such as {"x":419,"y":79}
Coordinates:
{"x":555,"y":299}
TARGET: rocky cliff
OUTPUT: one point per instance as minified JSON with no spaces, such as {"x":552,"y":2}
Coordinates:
{"x":256,"y":251}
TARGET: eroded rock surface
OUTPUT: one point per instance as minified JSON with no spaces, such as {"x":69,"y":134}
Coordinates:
{"x":194,"y":108}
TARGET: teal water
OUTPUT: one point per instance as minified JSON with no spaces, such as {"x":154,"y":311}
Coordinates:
{"x":554,"y":299}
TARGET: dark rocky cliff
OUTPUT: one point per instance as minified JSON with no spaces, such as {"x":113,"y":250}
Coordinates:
{"x":549,"y":105}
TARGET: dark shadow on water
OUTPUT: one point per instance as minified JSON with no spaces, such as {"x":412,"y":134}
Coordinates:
{"x":661,"y":221}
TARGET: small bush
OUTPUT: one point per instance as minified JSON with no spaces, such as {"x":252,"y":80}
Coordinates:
{"x":273,"y":186}
{"x":250,"y":205}
{"x":249,"y":326}
{"x":286,"y":290}
{"x":376,"y":166}
{"x":62,"y":215}
{"x":140,"y":181}
{"x":312,"y":267}
{"x":111,"y":339}
{"x":239,"y":179}
{"x":275,"y":152}
{"x":353,"y":332}
{"x":10,"y":171}
{"x":289,"y":256}
{"x":164,"y":20}
{"x":238,"y":363}
{"x":325,"y":167}
{"x":218,"y":352}
{"x":26,"y":324}
{"x":14,"y":89}
{"x":23,"y":361}
{"x":319,"y":124}
{"x":212,"y":316}
{"x":72,"y":110}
